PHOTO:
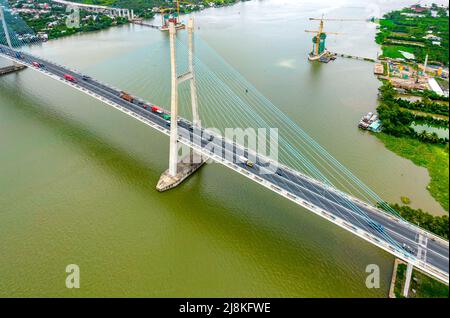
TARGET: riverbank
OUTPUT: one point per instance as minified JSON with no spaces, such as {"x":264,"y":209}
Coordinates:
{"x":433,"y":157}
{"x":422,"y":286}
{"x":47,"y":21}
{"x":403,"y":120}
{"x":146,"y":9}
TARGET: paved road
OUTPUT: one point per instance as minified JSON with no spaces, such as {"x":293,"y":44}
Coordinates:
{"x":405,"y":240}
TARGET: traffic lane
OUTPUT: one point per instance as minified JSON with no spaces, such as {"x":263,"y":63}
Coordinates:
{"x":302,"y":191}
{"x":112,"y":96}
{"x":94,"y":86}
{"x":362,"y":221}
{"x":402,"y":234}
{"x":438,"y":260}
{"x":365,"y":211}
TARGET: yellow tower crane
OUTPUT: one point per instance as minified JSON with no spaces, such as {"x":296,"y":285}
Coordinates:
{"x":174,"y":16}
{"x":319,"y":49}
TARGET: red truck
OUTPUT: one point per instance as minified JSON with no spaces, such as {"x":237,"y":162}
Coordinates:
{"x":69,"y":78}
{"x":126,"y":96}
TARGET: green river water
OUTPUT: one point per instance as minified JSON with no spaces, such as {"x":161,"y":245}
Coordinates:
{"x":77,"y":178}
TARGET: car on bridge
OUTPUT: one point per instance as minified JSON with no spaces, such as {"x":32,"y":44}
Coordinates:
{"x":70,"y":78}
{"x":247,"y":162}
{"x":376,"y":226}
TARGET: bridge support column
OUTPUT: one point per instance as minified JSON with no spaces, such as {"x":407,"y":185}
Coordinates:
{"x":5,"y":27}
{"x":15,"y":67}
{"x":409,"y":271}
{"x":177,"y":171}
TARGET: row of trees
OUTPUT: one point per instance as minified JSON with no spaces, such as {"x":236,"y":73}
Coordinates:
{"x":425,"y":105}
{"x":60,"y":29}
{"x":438,"y":225}
{"x":143,"y":7}
{"x":398,"y":122}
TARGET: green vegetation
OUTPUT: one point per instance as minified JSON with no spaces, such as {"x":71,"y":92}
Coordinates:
{"x":422,"y":148}
{"x":423,"y":285}
{"x":414,"y":32}
{"x":398,"y":122}
{"x":434,"y":157}
{"x":399,"y":280}
{"x":51,"y":20}
{"x":425,"y":105}
{"x":143,"y":8}
{"x":405,"y":200}
{"x":435,"y":224}
{"x":393,"y":51}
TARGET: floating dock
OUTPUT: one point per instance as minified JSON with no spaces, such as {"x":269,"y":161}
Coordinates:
{"x":370,"y":122}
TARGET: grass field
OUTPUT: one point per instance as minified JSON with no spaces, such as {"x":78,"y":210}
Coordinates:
{"x":423,"y":285}
{"x":431,"y":156}
{"x":393,"y":51}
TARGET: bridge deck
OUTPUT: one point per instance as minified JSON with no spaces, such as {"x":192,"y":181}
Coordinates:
{"x":428,"y":252}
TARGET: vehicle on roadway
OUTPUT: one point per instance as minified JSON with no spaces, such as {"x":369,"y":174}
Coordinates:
{"x":126,"y":96}
{"x":36,"y":64}
{"x":376,"y":226}
{"x":166,"y":116}
{"x":86,"y":78}
{"x":407,"y":248}
{"x":247,"y":162}
{"x":70,"y":78}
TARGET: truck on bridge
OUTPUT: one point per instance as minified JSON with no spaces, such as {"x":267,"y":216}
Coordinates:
{"x":126,"y":96}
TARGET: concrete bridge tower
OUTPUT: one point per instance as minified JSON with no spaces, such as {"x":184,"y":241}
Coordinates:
{"x":179,"y":170}
{"x":15,"y":67}
{"x":5,"y":27}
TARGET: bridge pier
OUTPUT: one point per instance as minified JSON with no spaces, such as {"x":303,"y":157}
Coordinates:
{"x":184,"y":170}
{"x":409,"y":271}
{"x":177,"y":171}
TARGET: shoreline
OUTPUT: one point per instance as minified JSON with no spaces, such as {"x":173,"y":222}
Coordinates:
{"x":400,"y":146}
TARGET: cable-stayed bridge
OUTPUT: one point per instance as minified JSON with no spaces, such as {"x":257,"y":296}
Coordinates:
{"x":305,"y":173}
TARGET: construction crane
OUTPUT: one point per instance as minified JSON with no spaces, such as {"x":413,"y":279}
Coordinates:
{"x":170,"y":14}
{"x":319,"y":49}
{"x":173,"y":16}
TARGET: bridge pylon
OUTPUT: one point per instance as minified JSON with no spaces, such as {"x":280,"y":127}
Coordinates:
{"x":179,"y":170}
{"x":15,"y":67}
{"x":5,"y":27}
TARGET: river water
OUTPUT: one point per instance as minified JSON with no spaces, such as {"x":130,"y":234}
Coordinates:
{"x":78,"y":178}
